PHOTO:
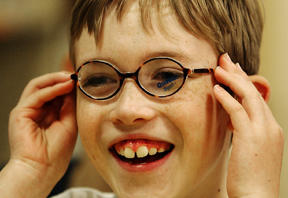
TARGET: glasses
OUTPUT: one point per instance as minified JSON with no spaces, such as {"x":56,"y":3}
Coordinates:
{"x":159,"y":77}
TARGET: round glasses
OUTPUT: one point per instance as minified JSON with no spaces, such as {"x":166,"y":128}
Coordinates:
{"x":158,"y":77}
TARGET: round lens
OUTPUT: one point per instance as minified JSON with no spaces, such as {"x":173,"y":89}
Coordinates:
{"x":161,"y":77}
{"x":98,"y":80}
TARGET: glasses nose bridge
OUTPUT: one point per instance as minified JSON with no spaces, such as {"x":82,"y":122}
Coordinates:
{"x":133,"y":75}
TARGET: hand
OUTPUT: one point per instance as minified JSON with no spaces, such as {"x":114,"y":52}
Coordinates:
{"x":257,"y":146}
{"x":42,"y":134}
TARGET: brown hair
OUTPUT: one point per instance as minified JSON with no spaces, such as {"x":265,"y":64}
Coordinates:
{"x":232,"y":26}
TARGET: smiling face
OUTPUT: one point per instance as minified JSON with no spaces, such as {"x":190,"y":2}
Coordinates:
{"x":181,"y":141}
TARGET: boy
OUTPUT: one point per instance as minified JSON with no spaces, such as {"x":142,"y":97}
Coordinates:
{"x":150,"y":110}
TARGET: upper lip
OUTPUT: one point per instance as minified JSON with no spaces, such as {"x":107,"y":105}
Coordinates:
{"x":135,"y":137}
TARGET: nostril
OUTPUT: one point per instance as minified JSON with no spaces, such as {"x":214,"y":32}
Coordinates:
{"x":127,"y":122}
{"x":138,"y":120}
{"x":131,"y":114}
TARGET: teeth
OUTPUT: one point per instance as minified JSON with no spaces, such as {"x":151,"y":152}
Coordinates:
{"x":142,"y":151}
{"x":152,"y":151}
{"x":129,"y":153}
{"x":122,"y":152}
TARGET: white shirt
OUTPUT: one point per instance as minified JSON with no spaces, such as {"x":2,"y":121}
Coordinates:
{"x":84,"y":193}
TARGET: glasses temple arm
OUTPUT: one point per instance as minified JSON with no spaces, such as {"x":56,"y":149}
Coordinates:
{"x":200,"y":71}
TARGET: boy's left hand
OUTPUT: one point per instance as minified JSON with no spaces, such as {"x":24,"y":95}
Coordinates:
{"x":257,"y":146}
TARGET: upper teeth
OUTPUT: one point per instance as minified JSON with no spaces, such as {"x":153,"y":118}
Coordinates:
{"x":121,"y":152}
{"x":152,"y":151}
{"x":129,"y":153}
{"x":141,"y":152}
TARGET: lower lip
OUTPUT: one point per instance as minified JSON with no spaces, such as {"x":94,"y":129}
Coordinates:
{"x":142,"y":167}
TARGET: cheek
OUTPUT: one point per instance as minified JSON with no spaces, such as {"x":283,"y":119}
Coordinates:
{"x":88,"y":120}
{"x":90,"y":115}
{"x":201,"y":122}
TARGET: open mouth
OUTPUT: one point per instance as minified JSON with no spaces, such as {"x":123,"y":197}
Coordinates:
{"x":140,"y":151}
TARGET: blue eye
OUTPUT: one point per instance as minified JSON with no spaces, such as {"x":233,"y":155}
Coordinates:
{"x":164,"y":75}
{"x":165,"y":78}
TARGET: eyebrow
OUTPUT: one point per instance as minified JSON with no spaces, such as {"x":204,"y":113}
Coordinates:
{"x":179,"y":56}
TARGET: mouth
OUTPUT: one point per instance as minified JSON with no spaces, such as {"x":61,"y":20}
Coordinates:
{"x":137,"y":152}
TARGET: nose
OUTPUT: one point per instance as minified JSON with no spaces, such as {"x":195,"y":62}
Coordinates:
{"x":132,"y":106}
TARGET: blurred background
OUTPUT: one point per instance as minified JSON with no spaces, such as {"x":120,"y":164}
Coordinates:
{"x":34,"y":41}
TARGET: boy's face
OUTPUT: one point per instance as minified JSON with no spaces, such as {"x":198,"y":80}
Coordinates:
{"x":190,"y":120}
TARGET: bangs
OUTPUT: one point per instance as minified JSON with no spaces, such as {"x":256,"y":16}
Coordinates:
{"x":192,"y":15}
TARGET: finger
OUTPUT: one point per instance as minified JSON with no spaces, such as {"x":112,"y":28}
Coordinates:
{"x":50,"y":112}
{"x":238,"y":116}
{"x":226,"y":63}
{"x":68,"y":112}
{"x":235,"y":69}
{"x":269,"y":115}
{"x":44,"y":81}
{"x":39,"y":98}
{"x":67,"y":122}
{"x":244,"y":89}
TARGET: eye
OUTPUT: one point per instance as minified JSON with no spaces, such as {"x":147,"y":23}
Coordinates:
{"x":165,"y":75}
{"x":98,"y":81}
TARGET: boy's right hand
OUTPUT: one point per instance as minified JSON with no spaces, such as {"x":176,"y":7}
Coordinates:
{"x":42,"y":135}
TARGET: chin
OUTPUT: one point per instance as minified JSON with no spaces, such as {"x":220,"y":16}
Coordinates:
{"x":144,"y":191}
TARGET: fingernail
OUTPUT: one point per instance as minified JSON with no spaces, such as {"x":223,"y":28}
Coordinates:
{"x":218,"y":68}
{"x":217,"y":87}
{"x":227,"y":57}
{"x":238,"y":65}
{"x":66,"y":73}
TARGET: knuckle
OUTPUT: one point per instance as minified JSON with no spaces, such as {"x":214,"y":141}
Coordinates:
{"x":279,"y":137}
{"x":241,"y":78}
{"x":18,"y":116}
{"x":237,"y":108}
{"x":14,"y":111}
{"x":255,"y":98}
{"x":280,"y":133}
{"x":32,"y":82}
{"x":252,"y":95}
{"x":277,"y":133}
{"x":15,"y":115}
{"x":252,"y":91}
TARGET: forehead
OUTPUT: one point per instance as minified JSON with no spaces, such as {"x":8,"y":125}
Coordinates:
{"x":127,"y":39}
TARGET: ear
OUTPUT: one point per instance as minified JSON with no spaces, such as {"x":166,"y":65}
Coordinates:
{"x":262,"y":85}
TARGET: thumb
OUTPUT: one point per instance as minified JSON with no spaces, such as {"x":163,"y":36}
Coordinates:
{"x":68,"y":113}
